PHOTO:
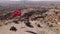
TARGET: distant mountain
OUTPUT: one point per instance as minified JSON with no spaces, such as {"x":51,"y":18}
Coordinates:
{"x":14,"y":5}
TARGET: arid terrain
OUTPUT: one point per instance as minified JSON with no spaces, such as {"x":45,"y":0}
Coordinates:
{"x":36,"y":18}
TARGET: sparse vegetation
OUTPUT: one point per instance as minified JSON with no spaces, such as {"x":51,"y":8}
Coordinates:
{"x":42,"y":19}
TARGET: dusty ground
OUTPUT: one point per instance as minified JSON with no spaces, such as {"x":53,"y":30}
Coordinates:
{"x":45,"y":22}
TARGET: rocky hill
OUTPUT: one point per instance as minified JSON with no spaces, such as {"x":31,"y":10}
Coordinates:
{"x":34,"y":21}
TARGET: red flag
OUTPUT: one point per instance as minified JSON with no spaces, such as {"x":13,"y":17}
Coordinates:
{"x":17,"y":13}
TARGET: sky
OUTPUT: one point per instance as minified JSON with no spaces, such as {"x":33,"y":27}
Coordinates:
{"x":29,"y":0}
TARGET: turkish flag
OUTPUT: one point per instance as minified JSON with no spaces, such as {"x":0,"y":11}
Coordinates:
{"x":17,"y":13}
